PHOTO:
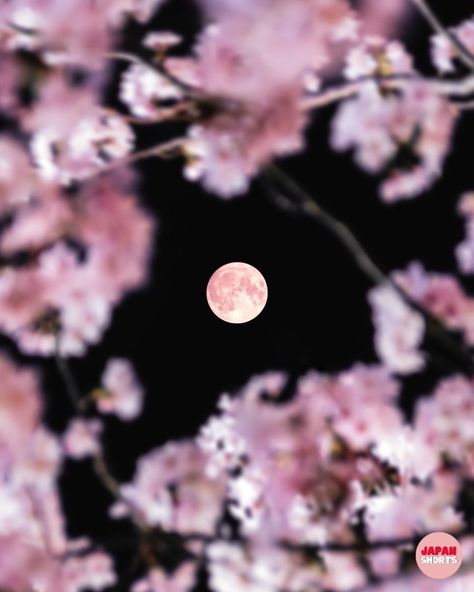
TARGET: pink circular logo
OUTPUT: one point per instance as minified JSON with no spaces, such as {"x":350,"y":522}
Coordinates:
{"x":439,"y":555}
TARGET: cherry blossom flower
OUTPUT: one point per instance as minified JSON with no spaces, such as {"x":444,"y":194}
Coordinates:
{"x":257,"y":92}
{"x":375,"y":56}
{"x":83,"y":140}
{"x":94,"y":572}
{"x":121,"y":393}
{"x":382,"y":18}
{"x":20,"y":408}
{"x":22,"y":563}
{"x":292,"y":484}
{"x":162,"y":40}
{"x":42,"y":461}
{"x":157,"y":580}
{"x":399,"y":331}
{"x":281,"y":457}
{"x":142,"y":89}
{"x":443,"y":421}
{"x":343,"y":571}
{"x":82,"y":438}
{"x":16,"y":183}
{"x":228,"y":153}
{"x":384,"y":562}
{"x":379,"y":126}
{"x":259,"y":570}
{"x":171,"y":490}
{"x":46,"y":27}
{"x":142,"y":10}
{"x":408,"y":510}
{"x":465,"y":250}
{"x":440,"y":294}
{"x":10,"y":83}
{"x":32,"y":527}
{"x":443,"y":53}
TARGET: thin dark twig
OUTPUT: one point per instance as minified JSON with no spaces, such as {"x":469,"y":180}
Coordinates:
{"x":399,"y":576}
{"x":72,"y":391}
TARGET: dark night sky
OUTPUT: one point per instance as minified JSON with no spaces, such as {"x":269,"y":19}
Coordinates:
{"x":316,"y":316}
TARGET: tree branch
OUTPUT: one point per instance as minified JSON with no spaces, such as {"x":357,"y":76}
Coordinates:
{"x":165,"y":150}
{"x":306,"y":204}
{"x":459,"y":89}
{"x":289,"y":196}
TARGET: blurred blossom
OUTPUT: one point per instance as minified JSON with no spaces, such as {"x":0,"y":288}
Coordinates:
{"x":82,"y":438}
{"x":378,"y":127}
{"x":72,"y":137}
{"x":376,"y":56}
{"x":16,"y":180}
{"x":465,"y":250}
{"x":170,"y":490}
{"x":444,"y":421}
{"x":383,"y":18}
{"x":182,"y":580}
{"x":241,"y":63}
{"x":142,"y":89}
{"x":46,"y":27}
{"x":93,"y":572}
{"x":20,"y":411}
{"x":441,"y":295}
{"x":260,"y":569}
{"x":443,"y":53}
{"x":103,"y":242}
{"x":121,"y":394}
{"x":399,"y":330}
{"x":306,"y":452}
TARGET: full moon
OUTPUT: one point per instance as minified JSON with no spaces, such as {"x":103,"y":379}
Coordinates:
{"x":237,"y":292}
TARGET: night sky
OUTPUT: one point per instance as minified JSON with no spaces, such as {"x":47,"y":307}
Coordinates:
{"x":317,"y":314}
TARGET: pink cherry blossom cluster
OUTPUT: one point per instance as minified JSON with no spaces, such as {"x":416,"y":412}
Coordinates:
{"x":36,"y":553}
{"x":250,"y":104}
{"x":442,"y":295}
{"x":45,"y":27}
{"x":378,"y":126}
{"x":400,"y":330}
{"x":73,"y":233}
{"x":308,"y":486}
{"x":298,"y":474}
{"x":442,"y":52}
{"x":248,"y":96}
{"x":309,"y":471}
{"x":81,"y":253}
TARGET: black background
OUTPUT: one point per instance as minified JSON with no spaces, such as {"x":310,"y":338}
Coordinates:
{"x":317,"y":315}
